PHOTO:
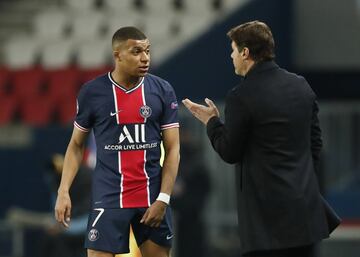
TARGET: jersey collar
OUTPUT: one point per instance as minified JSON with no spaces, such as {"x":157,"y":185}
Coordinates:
{"x":123,"y":88}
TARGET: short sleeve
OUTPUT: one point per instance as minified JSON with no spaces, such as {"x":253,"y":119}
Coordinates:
{"x":170,"y":113}
{"x":83,"y":120}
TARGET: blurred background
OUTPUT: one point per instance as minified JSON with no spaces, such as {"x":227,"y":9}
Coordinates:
{"x":48,"y":48}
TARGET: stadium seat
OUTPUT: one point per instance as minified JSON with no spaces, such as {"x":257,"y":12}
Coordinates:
{"x":66,"y":111}
{"x":80,"y":5}
{"x":57,"y":54}
{"x":90,"y":74}
{"x":87,"y":25}
{"x":118,"y":5}
{"x":36,"y":111}
{"x":27,"y":83}
{"x":8,"y":108}
{"x":4,"y":79}
{"x":198,"y":6}
{"x":21,"y":52}
{"x":94,"y":54}
{"x":158,"y":26}
{"x":161,"y":7}
{"x":63,"y":84}
{"x":50,"y":24}
{"x":191,"y":24}
{"x":122,"y":19}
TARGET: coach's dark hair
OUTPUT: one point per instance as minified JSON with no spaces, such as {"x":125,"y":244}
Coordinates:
{"x":126,"y":33}
{"x":256,"y":36}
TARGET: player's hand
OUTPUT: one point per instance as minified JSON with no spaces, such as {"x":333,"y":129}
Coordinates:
{"x":154,"y":214}
{"x":63,"y":209}
{"x":202,"y":112}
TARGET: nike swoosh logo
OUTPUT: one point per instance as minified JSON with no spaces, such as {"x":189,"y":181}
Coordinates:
{"x":168,"y":237}
{"x":114,"y":113}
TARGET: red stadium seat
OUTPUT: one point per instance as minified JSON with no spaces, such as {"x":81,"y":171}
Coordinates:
{"x":63,"y":84}
{"x":4,"y":79}
{"x":27,"y":83}
{"x":37,"y":111}
{"x":8,"y":106}
{"x":66,"y":111}
{"x":90,"y":74}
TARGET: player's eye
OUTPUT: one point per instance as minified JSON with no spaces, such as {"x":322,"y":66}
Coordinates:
{"x":136,"y":51}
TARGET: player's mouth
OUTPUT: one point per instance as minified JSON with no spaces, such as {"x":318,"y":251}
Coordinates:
{"x":144,"y":68}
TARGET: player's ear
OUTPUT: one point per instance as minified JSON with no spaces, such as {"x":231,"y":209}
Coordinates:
{"x":117,"y":55}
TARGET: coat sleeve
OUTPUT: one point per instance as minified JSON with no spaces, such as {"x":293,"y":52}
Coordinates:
{"x":229,"y":138}
{"x":316,"y":140}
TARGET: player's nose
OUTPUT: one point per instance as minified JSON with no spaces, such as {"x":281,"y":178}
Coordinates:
{"x":145,"y":57}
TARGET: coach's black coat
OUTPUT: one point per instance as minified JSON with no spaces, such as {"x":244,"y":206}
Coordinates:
{"x":272,"y":134}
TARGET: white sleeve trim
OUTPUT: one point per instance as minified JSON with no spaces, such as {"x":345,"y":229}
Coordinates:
{"x":80,"y":127}
{"x":171,"y":125}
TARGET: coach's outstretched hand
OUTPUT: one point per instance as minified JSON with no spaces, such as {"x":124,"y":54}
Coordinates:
{"x":154,"y":214}
{"x":202,"y":112}
{"x":63,"y":209}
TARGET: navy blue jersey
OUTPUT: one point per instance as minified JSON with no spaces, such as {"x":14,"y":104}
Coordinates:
{"x":127,"y":126}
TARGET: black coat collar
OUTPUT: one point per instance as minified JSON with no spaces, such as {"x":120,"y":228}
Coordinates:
{"x":261,"y":67}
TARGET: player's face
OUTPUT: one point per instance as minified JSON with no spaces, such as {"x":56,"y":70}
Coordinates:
{"x":238,"y":59}
{"x":135,"y":57}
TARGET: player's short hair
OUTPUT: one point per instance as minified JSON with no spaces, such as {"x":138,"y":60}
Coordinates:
{"x":126,"y":33}
{"x":256,"y":36}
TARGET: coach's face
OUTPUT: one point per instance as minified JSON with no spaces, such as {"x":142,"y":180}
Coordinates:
{"x":134,"y":57}
{"x":239,"y":59}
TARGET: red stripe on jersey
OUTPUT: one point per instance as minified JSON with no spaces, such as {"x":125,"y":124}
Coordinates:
{"x":134,"y":192}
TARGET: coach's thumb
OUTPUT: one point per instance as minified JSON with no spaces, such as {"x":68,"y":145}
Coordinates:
{"x":209,"y":102}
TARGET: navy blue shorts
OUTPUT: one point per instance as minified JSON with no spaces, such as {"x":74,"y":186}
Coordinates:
{"x":108,"y":229}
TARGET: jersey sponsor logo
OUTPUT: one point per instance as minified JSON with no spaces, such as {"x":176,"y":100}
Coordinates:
{"x":168,"y":237}
{"x":132,"y":137}
{"x":114,"y":113}
{"x":131,"y":147}
{"x":145,"y":111}
{"x":93,"y":235}
{"x":137,"y":135}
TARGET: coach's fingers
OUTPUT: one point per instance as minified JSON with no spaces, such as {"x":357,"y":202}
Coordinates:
{"x":194,"y":108}
{"x":188,"y":104}
{"x":211,"y":104}
{"x":191,"y":105}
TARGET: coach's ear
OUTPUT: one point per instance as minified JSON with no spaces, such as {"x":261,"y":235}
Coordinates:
{"x":245,"y":52}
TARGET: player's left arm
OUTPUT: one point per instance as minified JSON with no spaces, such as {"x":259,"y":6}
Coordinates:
{"x":171,"y":160}
{"x":154,"y":215}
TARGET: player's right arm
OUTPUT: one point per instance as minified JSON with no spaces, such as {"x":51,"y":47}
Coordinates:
{"x":72,"y":162}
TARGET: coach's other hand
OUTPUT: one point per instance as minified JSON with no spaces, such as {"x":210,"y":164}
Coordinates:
{"x":202,"y":112}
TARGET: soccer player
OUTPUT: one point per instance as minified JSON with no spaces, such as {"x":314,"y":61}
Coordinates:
{"x":130,"y":112}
